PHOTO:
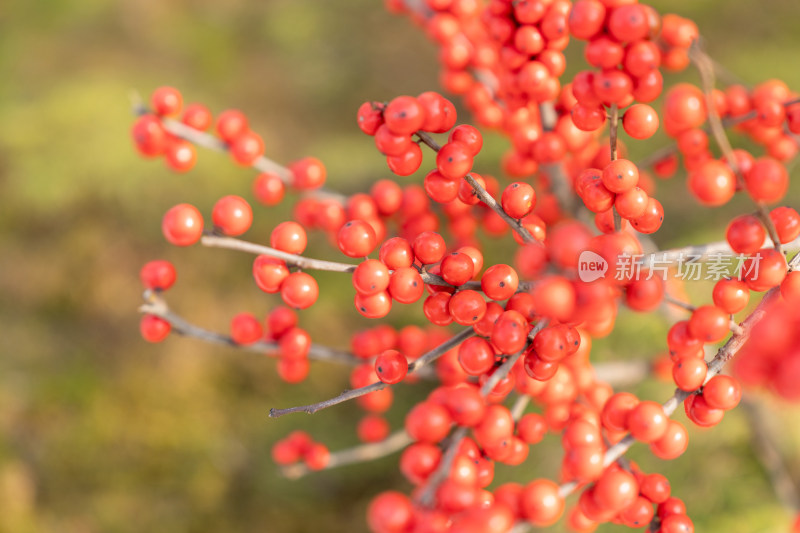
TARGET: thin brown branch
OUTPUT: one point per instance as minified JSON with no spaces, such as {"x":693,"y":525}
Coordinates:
{"x":440,"y":350}
{"x":762,"y":438}
{"x":696,"y":253}
{"x":420,"y":363}
{"x":308,"y":263}
{"x":520,"y":404}
{"x":679,"y":303}
{"x":357,"y":454}
{"x":734,"y":327}
{"x":442,"y":471}
{"x":229,"y":243}
{"x":613,"y":130}
{"x":483,"y":194}
{"x":156,"y":305}
{"x":210,"y":142}
{"x":715,"y":366}
{"x":705,"y":66}
{"x":613,"y":126}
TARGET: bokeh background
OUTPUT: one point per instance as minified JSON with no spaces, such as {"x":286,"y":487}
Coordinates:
{"x":101,"y":432}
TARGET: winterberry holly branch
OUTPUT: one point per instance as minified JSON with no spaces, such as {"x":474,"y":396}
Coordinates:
{"x":415,"y":366}
{"x":723,"y":356}
{"x":156,"y":306}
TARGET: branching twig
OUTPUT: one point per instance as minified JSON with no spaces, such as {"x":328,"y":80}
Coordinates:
{"x":705,"y":67}
{"x":156,"y":305}
{"x":210,"y":142}
{"x":217,"y":241}
{"x":613,"y":129}
{"x":762,"y":436}
{"x":357,"y":454}
{"x":443,"y":470}
{"x":426,"y":359}
{"x":715,"y":366}
{"x":483,"y":194}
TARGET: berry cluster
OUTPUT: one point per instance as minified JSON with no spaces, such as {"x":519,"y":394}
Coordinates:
{"x":299,"y":446}
{"x":526,"y":328}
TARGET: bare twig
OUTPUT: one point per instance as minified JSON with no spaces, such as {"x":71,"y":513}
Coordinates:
{"x":715,"y":366}
{"x":357,"y":454}
{"x":520,"y":404}
{"x":734,"y":327}
{"x":210,"y":142}
{"x":705,"y":67}
{"x":307,"y":263}
{"x":696,"y":253}
{"x":613,"y":129}
{"x":442,"y":471}
{"x":762,"y":437}
{"x":156,"y":305}
{"x":426,"y":359}
{"x":483,"y":194}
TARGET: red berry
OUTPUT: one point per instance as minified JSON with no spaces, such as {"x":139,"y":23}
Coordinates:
{"x":246,"y":148}
{"x":158,"y":274}
{"x":280,"y":320}
{"x":647,"y":421}
{"x":370,"y":117}
{"x":246,"y":329}
{"x":689,"y":373}
{"x":457,"y":268}
{"x":308,"y":173}
{"x":289,"y":237}
{"x":391,"y":366}
{"x":745,"y":234}
{"x":390,"y":512}
{"x":709,"y":324}
{"x":166,"y":101}
{"x":766,"y":269}
{"x":154,"y":328}
{"x":357,"y":238}
{"x":428,"y":422}
{"x":232,"y":215}
{"x":197,"y":116}
{"x":787,"y":223}
{"x":180,"y":156}
{"x":467,"y":307}
{"x":518,"y":199}
{"x":767,"y":180}
{"x":406,"y":285}
{"x":541,"y":503}
{"x":429,"y":247}
{"x":454,"y":160}
{"x":722,"y":392}
{"x":149,"y":136}
{"x":640,"y":121}
{"x":269,"y":273}
{"x":299,"y":290}
{"x":182,"y":225}
{"x":231,"y":124}
{"x":731,"y":295}
{"x":268,"y":188}
{"x":499,"y":282}
{"x":404,"y":115}
{"x":375,"y":305}
{"x":371,"y":277}
{"x":317,"y":456}
{"x":294,"y":343}
{"x":469,"y":136}
{"x":620,"y":175}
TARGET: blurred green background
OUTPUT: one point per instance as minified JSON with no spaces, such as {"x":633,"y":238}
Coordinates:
{"x":101,"y":432}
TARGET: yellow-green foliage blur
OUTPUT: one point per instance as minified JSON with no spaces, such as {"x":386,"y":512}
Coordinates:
{"x":102,"y":432}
